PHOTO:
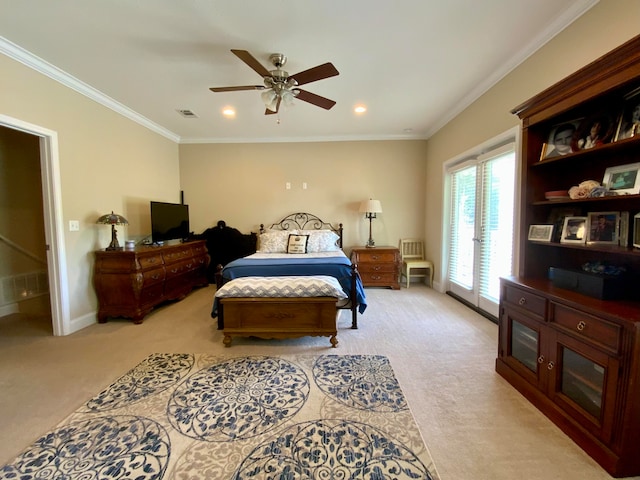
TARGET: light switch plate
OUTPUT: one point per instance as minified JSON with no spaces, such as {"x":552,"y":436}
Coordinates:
{"x":74,"y":226}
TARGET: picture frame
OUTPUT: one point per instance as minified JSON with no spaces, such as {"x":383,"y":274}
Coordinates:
{"x":561,"y":136}
{"x":574,"y":230}
{"x":540,"y":233}
{"x":603,"y":228}
{"x":593,"y":131}
{"x":623,"y":179}
{"x":629,"y":122}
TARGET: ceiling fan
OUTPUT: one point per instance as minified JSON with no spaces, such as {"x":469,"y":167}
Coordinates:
{"x":279,"y":86}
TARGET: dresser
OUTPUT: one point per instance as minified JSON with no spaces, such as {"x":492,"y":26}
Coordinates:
{"x":378,"y":266}
{"x":130,"y":283}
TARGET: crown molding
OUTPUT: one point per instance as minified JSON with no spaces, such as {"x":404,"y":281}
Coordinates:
{"x":30,"y":60}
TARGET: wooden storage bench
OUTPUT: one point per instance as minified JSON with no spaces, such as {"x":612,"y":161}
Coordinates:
{"x":277,"y":316}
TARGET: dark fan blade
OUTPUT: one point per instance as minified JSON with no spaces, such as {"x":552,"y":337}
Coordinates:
{"x":314,"y":74}
{"x":315,"y":99}
{"x":247,"y":58}
{"x":235,"y":89}
{"x":271,"y":112}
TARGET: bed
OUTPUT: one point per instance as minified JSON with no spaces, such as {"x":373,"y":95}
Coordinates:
{"x":322,"y":244}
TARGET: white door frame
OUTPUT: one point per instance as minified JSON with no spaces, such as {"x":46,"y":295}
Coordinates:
{"x":53,"y":226}
{"x":513,"y":134}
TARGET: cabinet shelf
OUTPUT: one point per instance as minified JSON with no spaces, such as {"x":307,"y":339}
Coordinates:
{"x":601,"y":150}
{"x":569,"y":201}
{"x":595,"y":247}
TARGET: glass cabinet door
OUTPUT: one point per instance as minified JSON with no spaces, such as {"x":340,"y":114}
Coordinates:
{"x":521,"y":344}
{"x":582,"y":380}
{"x":524,"y":345}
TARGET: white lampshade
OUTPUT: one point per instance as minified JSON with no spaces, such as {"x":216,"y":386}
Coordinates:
{"x":270,"y":99}
{"x":371,"y":206}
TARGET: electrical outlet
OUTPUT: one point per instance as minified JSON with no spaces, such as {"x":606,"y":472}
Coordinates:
{"x":304,"y":185}
{"x":287,"y":185}
{"x":74,"y":226}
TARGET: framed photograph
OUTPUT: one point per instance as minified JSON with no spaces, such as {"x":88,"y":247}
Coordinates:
{"x":560,"y":139}
{"x":593,"y":131}
{"x":574,"y":230}
{"x":623,"y":179}
{"x":629,"y":125}
{"x":603,"y":227}
{"x":540,"y":233}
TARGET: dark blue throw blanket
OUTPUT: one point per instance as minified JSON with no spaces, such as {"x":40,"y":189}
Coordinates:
{"x":338,"y":267}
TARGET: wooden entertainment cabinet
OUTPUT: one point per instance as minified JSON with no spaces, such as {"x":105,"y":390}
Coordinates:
{"x":576,"y":357}
{"x":130,"y":283}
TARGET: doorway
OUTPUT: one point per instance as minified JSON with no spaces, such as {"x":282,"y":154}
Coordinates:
{"x":51,"y":219}
{"x":481,"y":217}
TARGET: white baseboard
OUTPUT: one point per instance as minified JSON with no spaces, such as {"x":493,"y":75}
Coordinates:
{"x":9,"y":309}
{"x":79,"y":323}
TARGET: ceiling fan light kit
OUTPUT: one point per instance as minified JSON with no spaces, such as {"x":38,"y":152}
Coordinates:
{"x":280,"y":87}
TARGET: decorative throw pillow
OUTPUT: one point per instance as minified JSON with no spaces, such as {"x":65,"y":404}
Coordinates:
{"x":321,"y":241}
{"x":273,"y":241}
{"x":297,"y":243}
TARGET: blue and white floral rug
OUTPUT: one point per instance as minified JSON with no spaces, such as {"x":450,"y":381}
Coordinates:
{"x":184,"y":416}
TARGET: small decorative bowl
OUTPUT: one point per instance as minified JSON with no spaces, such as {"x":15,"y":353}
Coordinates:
{"x":556,"y":195}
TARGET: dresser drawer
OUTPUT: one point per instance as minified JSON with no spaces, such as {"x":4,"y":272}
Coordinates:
{"x":599,"y":331}
{"x":150,"y":277}
{"x":179,"y":268}
{"x":530,"y":302}
{"x":149,"y":261}
{"x":176,"y":255}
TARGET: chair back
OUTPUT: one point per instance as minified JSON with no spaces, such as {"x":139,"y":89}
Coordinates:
{"x":411,"y":249}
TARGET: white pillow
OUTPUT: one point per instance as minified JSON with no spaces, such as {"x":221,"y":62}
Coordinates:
{"x":297,"y":243}
{"x":321,"y":240}
{"x":273,"y":241}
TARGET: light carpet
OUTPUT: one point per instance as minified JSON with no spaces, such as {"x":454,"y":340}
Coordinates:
{"x":186,"y":416}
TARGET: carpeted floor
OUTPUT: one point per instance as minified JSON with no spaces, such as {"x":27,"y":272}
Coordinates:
{"x":187,"y":416}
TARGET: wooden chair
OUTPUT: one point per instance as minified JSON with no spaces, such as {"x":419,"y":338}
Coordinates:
{"x":412,"y":254}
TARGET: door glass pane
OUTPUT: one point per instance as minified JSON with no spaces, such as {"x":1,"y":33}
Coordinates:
{"x":524,"y":345}
{"x":582,"y":381}
{"x":463,"y":207}
{"x":497,"y":223}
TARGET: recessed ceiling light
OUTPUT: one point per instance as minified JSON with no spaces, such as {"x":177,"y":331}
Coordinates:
{"x":408,"y":130}
{"x":228,"y":112}
{"x":360,"y":109}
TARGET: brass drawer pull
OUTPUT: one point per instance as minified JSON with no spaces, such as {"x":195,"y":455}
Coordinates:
{"x":581,"y":325}
{"x":550,"y":365}
{"x":522,"y":301}
{"x":541,"y":359}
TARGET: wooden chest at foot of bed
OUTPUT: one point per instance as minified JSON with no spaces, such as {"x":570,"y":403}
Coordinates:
{"x":279,"y":317}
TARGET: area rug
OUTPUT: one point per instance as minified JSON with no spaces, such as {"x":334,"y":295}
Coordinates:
{"x":185,"y":416}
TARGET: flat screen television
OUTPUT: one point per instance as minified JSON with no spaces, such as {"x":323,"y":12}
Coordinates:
{"x":169,"y":221}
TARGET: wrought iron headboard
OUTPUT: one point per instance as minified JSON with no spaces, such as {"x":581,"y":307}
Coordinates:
{"x":304,"y":221}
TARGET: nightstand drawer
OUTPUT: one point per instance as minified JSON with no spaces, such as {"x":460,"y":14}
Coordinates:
{"x":377,"y":267}
{"x":375,"y":257}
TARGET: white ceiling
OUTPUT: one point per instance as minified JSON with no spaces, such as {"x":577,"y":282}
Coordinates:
{"x":415,"y":64}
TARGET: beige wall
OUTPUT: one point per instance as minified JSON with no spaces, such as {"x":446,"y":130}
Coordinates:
{"x":107,"y":162}
{"x":606,"y":26}
{"x":244,"y":185}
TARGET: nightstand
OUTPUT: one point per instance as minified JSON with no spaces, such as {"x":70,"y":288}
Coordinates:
{"x":378,"y":266}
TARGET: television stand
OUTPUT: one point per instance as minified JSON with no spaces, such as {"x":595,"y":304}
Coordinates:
{"x":130,"y":283}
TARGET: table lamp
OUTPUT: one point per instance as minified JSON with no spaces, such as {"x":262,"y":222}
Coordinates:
{"x":113,"y":219}
{"x":370,"y":208}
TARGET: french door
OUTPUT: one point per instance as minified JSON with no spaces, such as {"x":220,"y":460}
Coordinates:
{"x":481,"y":196}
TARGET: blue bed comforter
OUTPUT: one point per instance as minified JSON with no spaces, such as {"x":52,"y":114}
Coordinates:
{"x":338,"y":267}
